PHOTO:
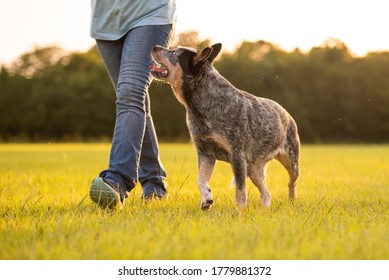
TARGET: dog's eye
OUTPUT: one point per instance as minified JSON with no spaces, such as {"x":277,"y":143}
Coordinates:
{"x":174,"y":53}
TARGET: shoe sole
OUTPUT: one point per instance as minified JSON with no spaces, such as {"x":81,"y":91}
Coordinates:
{"x":103,"y":195}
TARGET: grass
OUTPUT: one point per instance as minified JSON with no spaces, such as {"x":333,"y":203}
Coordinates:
{"x":341,"y":212}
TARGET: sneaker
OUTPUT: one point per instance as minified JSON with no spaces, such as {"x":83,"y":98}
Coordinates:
{"x":104,"y":194}
{"x":156,"y":194}
{"x":149,"y":197}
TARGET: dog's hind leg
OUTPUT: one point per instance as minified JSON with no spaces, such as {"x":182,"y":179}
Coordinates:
{"x":239,"y":169}
{"x":206,"y":166}
{"x":291,"y":164}
{"x":257,"y":174}
{"x":289,"y":158}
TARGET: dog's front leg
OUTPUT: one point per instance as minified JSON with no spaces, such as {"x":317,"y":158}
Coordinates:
{"x":206,"y":166}
{"x":239,"y":168}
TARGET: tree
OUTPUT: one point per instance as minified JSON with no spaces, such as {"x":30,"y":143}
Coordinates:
{"x":48,"y":94}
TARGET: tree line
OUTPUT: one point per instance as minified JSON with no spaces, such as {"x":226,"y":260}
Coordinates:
{"x":334,"y":96}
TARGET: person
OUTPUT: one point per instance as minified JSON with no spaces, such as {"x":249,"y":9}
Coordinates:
{"x":125,"y":32}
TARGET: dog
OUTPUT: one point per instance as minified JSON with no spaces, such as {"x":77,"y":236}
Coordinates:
{"x":228,"y":124}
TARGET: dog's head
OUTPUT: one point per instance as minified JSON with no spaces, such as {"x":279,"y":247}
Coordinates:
{"x":173,"y":64}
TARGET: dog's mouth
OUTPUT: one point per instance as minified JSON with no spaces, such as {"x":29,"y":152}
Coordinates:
{"x":159,"y":71}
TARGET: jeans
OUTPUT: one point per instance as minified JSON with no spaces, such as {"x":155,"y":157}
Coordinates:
{"x":134,"y":153}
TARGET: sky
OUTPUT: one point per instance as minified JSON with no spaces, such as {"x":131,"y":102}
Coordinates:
{"x":361,"y":24}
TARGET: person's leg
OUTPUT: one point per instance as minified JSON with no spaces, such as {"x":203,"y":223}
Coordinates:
{"x":151,"y":171}
{"x":134,"y":143}
{"x":102,"y":192}
{"x":111,"y":54}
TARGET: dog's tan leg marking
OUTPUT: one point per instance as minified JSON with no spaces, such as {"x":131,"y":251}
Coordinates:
{"x":206,"y":166}
{"x":239,"y":169}
{"x":293,"y":171}
{"x":221,"y":141}
{"x":257,"y":174}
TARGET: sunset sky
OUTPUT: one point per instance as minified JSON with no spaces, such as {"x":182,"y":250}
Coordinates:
{"x":361,"y":24}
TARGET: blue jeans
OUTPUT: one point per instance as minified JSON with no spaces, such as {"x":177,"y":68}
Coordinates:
{"x":134,"y":153}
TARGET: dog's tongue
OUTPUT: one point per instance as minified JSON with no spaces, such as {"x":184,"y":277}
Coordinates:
{"x":162,"y":71}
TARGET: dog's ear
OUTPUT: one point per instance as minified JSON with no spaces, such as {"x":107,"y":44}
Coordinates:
{"x":215,"y":51}
{"x":208,"y":53}
{"x":202,"y":56}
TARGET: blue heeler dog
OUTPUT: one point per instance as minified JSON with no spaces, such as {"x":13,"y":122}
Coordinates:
{"x":228,"y":124}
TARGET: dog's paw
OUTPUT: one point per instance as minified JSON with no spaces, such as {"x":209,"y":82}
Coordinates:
{"x":266,"y":201}
{"x":207,"y":204}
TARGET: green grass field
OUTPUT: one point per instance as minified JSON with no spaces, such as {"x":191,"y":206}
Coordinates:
{"x":341,"y":212}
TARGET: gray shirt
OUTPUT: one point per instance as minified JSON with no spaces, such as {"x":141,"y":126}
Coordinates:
{"x":112,"y":19}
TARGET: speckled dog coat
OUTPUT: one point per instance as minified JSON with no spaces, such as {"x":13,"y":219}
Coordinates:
{"x":228,"y":124}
